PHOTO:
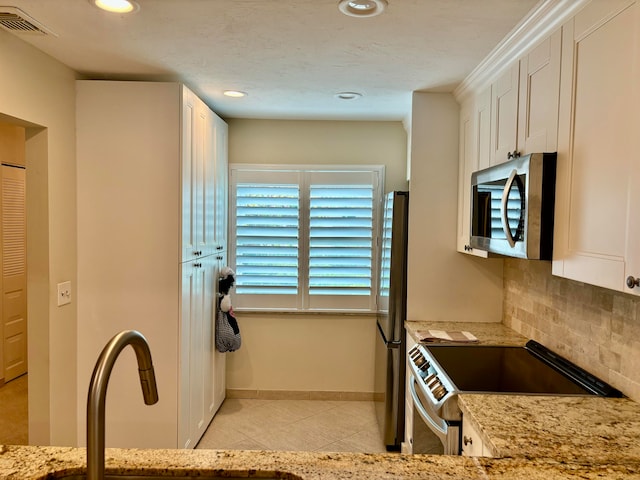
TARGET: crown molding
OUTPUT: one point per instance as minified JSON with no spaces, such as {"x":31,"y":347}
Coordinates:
{"x":540,"y":22}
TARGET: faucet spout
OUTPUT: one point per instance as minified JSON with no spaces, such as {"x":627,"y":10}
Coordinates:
{"x":98,"y":393}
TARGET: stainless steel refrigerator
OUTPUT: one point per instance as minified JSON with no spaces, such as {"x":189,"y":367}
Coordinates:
{"x":390,"y":362}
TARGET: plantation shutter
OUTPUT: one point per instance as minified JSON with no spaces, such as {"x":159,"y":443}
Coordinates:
{"x":340,"y":233}
{"x":342,"y":228}
{"x":304,"y":239}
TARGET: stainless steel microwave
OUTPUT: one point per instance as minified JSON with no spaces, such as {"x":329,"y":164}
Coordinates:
{"x":512,"y":207}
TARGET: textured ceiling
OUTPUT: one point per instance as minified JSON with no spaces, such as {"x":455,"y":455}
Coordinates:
{"x":291,"y":56}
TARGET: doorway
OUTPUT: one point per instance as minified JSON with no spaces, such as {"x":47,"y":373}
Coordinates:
{"x":13,"y":284}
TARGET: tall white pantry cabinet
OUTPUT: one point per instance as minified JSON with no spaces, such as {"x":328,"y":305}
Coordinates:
{"x":152,"y":219}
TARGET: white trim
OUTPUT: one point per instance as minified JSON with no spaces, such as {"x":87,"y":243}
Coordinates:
{"x":540,"y":22}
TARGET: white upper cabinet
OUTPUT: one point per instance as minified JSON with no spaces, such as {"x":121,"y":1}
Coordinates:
{"x":524,"y":103}
{"x":475,"y":125}
{"x":220,"y":129}
{"x":539,"y":97}
{"x":504,"y":118}
{"x":198,"y":177}
{"x":597,"y":227}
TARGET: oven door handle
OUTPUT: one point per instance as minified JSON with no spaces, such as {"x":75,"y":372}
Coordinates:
{"x":421,"y":410}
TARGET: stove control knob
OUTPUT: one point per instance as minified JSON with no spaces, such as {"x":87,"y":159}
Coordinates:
{"x":420,"y":361}
{"x":431,"y":378}
{"x":425,"y":366}
{"x":439,"y":392}
{"x":415,"y":350}
{"x":434,"y":384}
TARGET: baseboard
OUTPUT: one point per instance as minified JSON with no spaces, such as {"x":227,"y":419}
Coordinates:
{"x":298,"y":395}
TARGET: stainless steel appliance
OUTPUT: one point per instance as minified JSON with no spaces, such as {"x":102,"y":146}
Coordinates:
{"x":512,"y":207}
{"x":390,"y":365}
{"x":440,"y":372}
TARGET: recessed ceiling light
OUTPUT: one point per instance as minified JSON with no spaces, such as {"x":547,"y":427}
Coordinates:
{"x":116,"y":6}
{"x":348,"y":95}
{"x":362,"y":8}
{"x":234,"y":93}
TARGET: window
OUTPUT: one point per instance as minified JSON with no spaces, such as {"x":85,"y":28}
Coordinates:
{"x":305,"y":238}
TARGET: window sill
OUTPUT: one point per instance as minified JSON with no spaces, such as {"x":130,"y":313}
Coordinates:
{"x":304,"y":313}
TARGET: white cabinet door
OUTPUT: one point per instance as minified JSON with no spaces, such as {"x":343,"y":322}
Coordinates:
{"x":504,"y":114}
{"x":218,"y":359}
{"x":596,"y":231}
{"x":472,"y":444}
{"x":188,"y":300}
{"x":539,"y":97}
{"x":207,"y":182}
{"x":524,"y":103}
{"x":467,"y":156}
{"x":475,"y":123}
{"x":198,"y":178}
{"x":189,"y":174}
{"x":197,"y":350}
{"x":221,"y":182}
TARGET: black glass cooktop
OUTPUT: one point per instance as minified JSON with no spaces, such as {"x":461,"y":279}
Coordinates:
{"x":532,"y":369}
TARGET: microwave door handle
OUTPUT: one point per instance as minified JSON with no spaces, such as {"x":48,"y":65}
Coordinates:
{"x":505,"y":198}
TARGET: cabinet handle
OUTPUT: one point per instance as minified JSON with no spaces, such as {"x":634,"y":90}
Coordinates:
{"x":468,"y":248}
{"x":633,"y":282}
{"x":197,"y":265}
{"x":514,"y":154}
{"x":467,"y":440}
{"x":197,"y":253}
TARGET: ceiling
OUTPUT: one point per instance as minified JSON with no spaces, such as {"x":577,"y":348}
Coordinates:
{"x":290,"y":56}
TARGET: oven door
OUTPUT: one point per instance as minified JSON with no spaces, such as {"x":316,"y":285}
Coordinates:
{"x":431,"y":434}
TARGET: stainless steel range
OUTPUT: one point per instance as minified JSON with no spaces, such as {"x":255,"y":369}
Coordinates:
{"x":440,"y":372}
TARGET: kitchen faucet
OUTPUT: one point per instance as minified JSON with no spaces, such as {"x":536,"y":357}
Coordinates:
{"x":98,"y":393}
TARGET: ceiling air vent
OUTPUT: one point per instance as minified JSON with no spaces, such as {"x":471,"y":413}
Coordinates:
{"x":16,"y":21}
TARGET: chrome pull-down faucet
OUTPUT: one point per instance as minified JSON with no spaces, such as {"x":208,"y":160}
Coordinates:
{"x":98,"y":393}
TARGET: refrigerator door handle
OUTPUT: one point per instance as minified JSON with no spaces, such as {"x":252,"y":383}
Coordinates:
{"x":389,"y":343}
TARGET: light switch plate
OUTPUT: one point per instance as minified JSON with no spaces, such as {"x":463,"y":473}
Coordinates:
{"x":64,"y":293}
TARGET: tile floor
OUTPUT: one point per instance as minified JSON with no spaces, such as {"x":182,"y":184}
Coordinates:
{"x":247,"y":424}
{"x":302,"y":425}
{"x":14,"y":427}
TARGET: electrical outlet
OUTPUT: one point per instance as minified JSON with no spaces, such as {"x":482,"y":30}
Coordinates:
{"x":64,"y":293}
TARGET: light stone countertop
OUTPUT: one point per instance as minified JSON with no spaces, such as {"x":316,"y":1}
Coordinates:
{"x":487,"y":333}
{"x":585,"y":430}
{"x":40,"y":463}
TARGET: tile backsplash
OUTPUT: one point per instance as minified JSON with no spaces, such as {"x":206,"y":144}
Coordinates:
{"x":596,"y":328}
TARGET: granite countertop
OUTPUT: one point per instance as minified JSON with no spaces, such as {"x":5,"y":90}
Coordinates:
{"x":487,"y":333}
{"x":39,"y":463}
{"x":584,"y":430}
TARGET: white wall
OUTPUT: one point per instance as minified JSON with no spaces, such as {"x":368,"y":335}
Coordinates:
{"x":311,"y":352}
{"x":442,"y":284}
{"x":38,"y":92}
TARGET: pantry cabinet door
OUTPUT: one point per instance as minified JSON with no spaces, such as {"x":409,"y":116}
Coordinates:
{"x":504,"y":114}
{"x":219,"y":359}
{"x":189,"y":172}
{"x":221,"y":183}
{"x":539,"y":97}
{"x":597,"y":145}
